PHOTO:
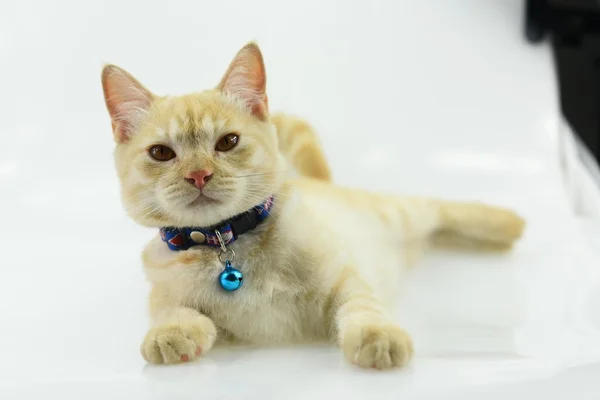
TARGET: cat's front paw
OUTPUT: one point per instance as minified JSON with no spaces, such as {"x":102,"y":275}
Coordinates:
{"x":377,"y":346}
{"x":178,"y":341}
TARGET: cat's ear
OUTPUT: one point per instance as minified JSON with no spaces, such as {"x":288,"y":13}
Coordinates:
{"x":246,"y":79}
{"x":127,"y":101}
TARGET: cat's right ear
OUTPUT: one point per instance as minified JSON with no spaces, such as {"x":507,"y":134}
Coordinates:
{"x":127,"y":101}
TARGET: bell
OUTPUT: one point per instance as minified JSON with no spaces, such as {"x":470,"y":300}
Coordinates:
{"x":231,"y":279}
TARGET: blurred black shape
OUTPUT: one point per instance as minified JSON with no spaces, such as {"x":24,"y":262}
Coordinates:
{"x":535,"y":12}
{"x":573,"y":27}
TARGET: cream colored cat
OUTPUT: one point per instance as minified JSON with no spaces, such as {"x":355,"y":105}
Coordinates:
{"x":324,"y":265}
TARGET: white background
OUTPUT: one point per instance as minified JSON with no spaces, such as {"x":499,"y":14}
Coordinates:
{"x":423,"y":97}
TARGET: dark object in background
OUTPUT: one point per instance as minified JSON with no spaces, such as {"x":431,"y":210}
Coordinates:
{"x":574,"y":30}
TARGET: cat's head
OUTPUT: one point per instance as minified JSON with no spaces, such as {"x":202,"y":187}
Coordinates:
{"x":197,"y":159}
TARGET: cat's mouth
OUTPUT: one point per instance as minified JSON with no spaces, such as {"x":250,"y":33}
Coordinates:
{"x":203,"y":200}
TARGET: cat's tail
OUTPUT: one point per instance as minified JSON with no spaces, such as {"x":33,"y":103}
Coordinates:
{"x":460,"y":224}
{"x":300,"y":145}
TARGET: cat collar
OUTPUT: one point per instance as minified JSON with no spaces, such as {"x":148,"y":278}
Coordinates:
{"x":183,"y":238}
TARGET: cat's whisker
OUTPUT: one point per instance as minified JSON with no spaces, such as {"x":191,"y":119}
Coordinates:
{"x":151,"y":208}
{"x":264,"y":173}
{"x":147,"y":208}
{"x":152,"y":213}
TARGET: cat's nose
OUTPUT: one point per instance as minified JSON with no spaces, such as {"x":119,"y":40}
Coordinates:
{"x":199,"y":178}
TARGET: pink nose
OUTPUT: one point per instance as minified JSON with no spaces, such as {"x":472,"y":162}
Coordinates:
{"x":199,"y":178}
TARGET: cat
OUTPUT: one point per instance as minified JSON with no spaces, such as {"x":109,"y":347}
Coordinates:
{"x":316,"y":262}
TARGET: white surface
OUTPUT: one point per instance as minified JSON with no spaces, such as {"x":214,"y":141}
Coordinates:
{"x":427,"y":97}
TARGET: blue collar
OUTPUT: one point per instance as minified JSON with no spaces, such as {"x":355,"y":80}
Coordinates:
{"x":184,"y":238}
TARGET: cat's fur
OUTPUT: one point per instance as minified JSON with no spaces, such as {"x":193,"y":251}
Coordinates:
{"x":324,"y":266}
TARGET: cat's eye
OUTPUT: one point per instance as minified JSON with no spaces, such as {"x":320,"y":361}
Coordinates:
{"x":227,"y":142}
{"x":161,"y":152}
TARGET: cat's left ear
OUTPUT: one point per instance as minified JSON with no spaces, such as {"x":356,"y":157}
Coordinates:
{"x":246,"y":79}
{"x":127,"y":101}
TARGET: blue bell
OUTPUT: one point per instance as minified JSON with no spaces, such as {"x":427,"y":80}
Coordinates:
{"x":231,"y":279}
